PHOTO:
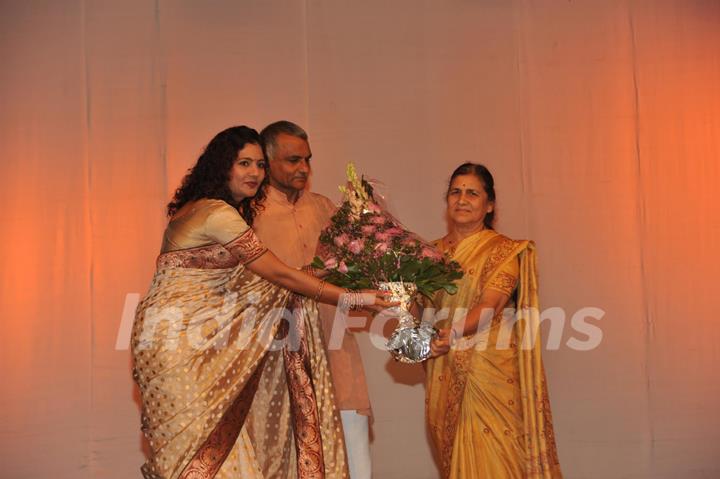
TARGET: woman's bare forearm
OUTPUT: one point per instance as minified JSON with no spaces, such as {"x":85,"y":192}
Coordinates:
{"x":269,"y":267}
{"x":479,"y":317}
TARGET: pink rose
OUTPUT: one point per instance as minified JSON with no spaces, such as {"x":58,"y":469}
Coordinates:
{"x":331,"y":263}
{"x":430,"y":253}
{"x":368,"y":229}
{"x":342,"y":267}
{"x":394,"y":231}
{"x":341,"y":240}
{"x":382,"y":236}
{"x":378,"y":220}
{"x":356,"y":246}
{"x":381,"y":248}
{"x":373,"y":208}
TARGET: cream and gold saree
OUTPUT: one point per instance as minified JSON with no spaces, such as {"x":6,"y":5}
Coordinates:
{"x":231,"y":368}
{"x":487,"y":403}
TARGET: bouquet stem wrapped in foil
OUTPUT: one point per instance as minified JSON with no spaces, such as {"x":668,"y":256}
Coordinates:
{"x":410,"y":342}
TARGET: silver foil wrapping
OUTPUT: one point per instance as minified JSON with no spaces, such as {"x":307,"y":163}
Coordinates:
{"x":410,"y":342}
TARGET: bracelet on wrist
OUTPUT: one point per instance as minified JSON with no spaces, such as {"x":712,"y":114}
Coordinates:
{"x":321,"y":286}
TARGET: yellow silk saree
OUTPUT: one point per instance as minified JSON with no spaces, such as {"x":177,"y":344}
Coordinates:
{"x":231,"y":369}
{"x":487,"y":404}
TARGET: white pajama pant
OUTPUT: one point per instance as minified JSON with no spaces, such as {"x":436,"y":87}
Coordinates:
{"x":357,"y":442}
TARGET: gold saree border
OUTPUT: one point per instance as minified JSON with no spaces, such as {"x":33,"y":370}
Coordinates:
{"x":243,"y":249}
{"x":303,"y":405}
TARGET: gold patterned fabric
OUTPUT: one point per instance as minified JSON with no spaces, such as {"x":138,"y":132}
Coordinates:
{"x":291,"y":231}
{"x":233,"y":383}
{"x":487,"y":403}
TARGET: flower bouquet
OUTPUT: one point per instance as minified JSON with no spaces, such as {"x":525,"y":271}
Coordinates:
{"x":365,"y":247}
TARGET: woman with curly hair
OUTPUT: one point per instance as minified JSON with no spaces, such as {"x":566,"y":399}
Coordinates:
{"x":228,"y":388}
{"x":208,"y":179}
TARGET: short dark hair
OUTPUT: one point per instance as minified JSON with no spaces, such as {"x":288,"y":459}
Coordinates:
{"x":209,"y":177}
{"x":270,"y":133}
{"x":485,"y":177}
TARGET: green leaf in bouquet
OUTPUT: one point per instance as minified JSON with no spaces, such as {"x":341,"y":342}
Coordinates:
{"x":387,"y":267}
{"x":317,"y":263}
{"x":409,"y":269}
{"x":352,"y":268}
{"x":339,"y":279}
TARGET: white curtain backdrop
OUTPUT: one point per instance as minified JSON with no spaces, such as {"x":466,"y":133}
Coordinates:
{"x":599,"y":119}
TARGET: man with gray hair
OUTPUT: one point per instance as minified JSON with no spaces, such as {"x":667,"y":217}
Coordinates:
{"x":289,"y":224}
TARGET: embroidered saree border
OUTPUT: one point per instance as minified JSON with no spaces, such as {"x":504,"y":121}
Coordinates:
{"x":243,"y":249}
{"x":305,"y":416}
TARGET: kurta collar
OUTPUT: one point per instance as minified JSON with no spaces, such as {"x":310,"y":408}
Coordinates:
{"x":278,"y":196}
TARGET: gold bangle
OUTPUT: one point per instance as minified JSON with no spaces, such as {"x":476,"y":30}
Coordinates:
{"x":321,"y":286}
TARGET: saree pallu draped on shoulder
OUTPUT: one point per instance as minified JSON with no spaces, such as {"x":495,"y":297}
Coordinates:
{"x":224,"y":395}
{"x":487,"y":401}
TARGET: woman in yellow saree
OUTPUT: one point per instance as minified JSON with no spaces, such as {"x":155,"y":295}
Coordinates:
{"x":231,"y":369}
{"x":486,"y":394}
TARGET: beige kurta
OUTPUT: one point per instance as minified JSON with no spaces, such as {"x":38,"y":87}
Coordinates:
{"x":291,"y":232}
